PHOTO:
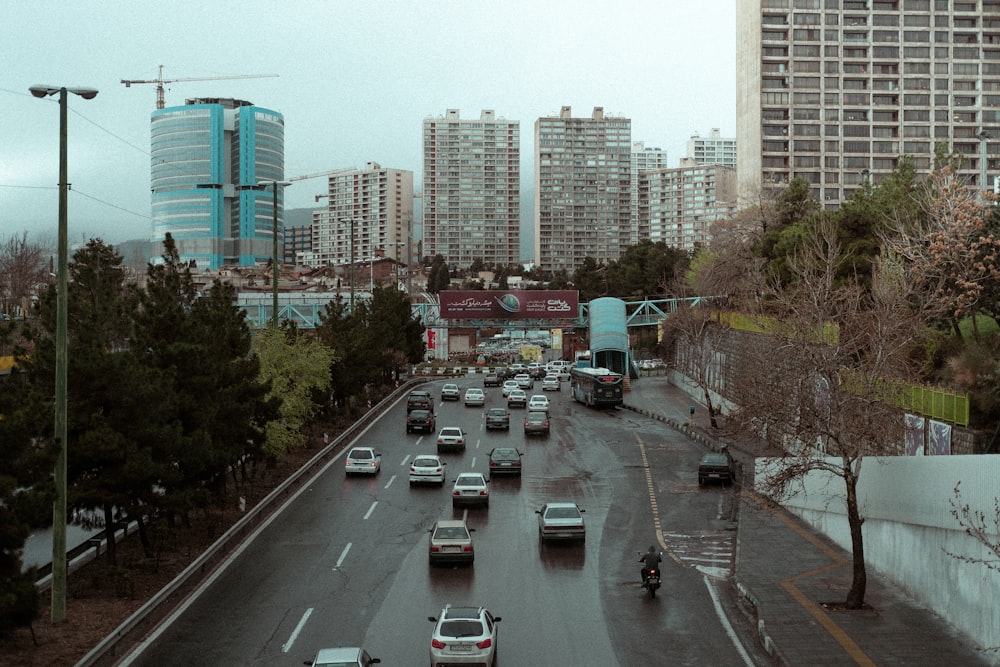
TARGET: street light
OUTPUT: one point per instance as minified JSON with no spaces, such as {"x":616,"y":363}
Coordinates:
{"x":58,"y":611}
{"x":274,"y":257}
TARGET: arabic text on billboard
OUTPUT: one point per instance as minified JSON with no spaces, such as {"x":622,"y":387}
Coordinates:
{"x":517,"y":304}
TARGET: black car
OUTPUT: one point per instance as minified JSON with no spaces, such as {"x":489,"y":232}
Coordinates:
{"x":505,"y":461}
{"x":718,"y":466}
{"x":420,"y":420}
{"x":498,"y":418}
{"x":419,"y":400}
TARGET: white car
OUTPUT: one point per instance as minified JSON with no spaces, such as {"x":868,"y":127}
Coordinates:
{"x":427,"y":469}
{"x":550,"y":383}
{"x":517,"y":398}
{"x":343,"y":657}
{"x":363,"y":461}
{"x":524,"y":381}
{"x":538,"y":403}
{"x":464,"y":636}
{"x":508,"y":386}
{"x":449,"y":392}
{"x":451,"y":437}
{"x":474,"y":396}
{"x":470,"y":489}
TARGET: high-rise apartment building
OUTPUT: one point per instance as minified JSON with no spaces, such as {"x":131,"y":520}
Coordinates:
{"x":678,"y":206}
{"x":369,"y":214}
{"x":713,"y":149}
{"x":207,"y":158}
{"x":643,"y":159}
{"x":583,"y":189}
{"x":835,"y":91}
{"x":472,"y":189}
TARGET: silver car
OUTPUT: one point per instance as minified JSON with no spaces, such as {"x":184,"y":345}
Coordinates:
{"x":561,"y":521}
{"x":451,"y":542}
{"x":451,"y":437}
{"x":363,"y":461}
{"x":470,"y":489}
{"x":342,"y":657}
{"x":474,"y":396}
{"x":464,"y":636}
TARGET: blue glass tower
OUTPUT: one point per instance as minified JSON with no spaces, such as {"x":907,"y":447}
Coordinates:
{"x":207,"y":157}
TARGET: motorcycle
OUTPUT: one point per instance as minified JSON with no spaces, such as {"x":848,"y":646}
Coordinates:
{"x":652,"y":582}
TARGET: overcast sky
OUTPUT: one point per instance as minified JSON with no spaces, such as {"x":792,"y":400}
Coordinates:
{"x":355,"y":81}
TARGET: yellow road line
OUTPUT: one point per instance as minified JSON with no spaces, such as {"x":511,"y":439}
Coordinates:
{"x":651,"y":490}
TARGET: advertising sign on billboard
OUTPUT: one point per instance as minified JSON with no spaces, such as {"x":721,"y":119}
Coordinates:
{"x":516,"y":304}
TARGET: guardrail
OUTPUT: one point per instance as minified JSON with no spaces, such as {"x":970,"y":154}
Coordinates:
{"x":222,"y":547}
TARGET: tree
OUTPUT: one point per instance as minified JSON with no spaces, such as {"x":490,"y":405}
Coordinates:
{"x":22,"y":270}
{"x":820,"y":386}
{"x":646,"y":269}
{"x":695,"y":337}
{"x":438,"y":277}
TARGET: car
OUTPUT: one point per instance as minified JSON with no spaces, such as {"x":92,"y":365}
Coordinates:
{"x":470,"y":489}
{"x":342,"y":657}
{"x":451,"y":437}
{"x":517,"y":398}
{"x":450,"y":392}
{"x":505,"y":461}
{"x":564,"y":374}
{"x":538,"y":403}
{"x":498,"y":418}
{"x":716,"y":466}
{"x":363,"y":460}
{"x":475,"y":396}
{"x":464,"y":636}
{"x":419,"y":400}
{"x":536,"y":423}
{"x":420,"y":420}
{"x":524,"y":381}
{"x":550,"y":383}
{"x":491,"y":379}
{"x":538,"y":372}
{"x":561,"y":521}
{"x":451,"y":542}
{"x":427,"y":469}
{"x":508,"y":386}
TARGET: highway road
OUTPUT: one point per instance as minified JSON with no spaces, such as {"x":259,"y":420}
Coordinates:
{"x":345,"y":563}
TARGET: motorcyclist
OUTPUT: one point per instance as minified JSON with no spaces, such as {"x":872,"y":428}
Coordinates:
{"x":650,"y":561}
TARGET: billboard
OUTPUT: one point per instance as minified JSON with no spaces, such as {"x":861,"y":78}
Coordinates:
{"x":511,"y":304}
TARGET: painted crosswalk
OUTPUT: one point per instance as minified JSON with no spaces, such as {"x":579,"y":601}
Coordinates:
{"x":709,"y":552}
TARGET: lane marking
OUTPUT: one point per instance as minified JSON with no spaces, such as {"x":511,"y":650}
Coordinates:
{"x":651,"y":491}
{"x":298,"y":628}
{"x":343,"y":555}
{"x":370,"y":510}
{"x":406,"y":459}
{"x":389,"y":483}
{"x":721,"y":614}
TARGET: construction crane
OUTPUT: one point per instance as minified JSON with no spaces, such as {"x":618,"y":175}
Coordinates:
{"x":159,"y":81}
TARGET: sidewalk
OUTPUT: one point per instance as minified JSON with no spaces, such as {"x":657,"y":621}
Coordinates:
{"x":786,"y":571}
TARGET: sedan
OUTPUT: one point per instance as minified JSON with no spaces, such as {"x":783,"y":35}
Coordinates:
{"x":716,"y":466}
{"x":342,"y":657}
{"x":517,"y":398}
{"x":363,"y":460}
{"x":536,"y":423}
{"x":464,"y":636}
{"x":420,"y":420}
{"x":561,"y":521}
{"x":451,"y":542}
{"x":550,"y":383}
{"x":450,"y":392}
{"x":539,"y":403}
{"x":475,"y":396}
{"x":498,"y":418}
{"x":508,"y":386}
{"x":470,"y":489}
{"x":505,"y":461}
{"x":451,"y":437}
{"x":491,"y":379}
{"x":524,"y":381}
{"x":427,"y":469}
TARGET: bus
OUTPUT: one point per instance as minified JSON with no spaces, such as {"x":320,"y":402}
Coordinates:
{"x":597,"y":387}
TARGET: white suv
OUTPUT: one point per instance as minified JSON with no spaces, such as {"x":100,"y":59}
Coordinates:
{"x":464,"y":636}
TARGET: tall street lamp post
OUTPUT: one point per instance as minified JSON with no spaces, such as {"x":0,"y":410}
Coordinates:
{"x":58,"y":612}
{"x":274,"y":256}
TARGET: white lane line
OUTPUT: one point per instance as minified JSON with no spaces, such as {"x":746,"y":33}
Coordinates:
{"x":298,"y":628}
{"x":389,"y":483}
{"x":371,"y":509}
{"x":474,"y":461}
{"x":406,"y":459}
{"x":343,"y":555}
{"x":727,"y":626}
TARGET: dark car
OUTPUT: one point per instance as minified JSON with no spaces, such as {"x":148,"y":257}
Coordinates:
{"x":498,"y":418}
{"x":505,"y":461}
{"x":536,"y":422}
{"x":420,"y":400}
{"x":491,"y":379}
{"x":718,"y":466}
{"x":420,"y":420}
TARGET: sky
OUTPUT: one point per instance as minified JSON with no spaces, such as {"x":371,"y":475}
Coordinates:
{"x":355,"y":82}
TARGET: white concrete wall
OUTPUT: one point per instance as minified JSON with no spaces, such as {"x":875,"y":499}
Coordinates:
{"x":909,"y":530}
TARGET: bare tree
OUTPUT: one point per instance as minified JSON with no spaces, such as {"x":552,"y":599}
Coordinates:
{"x":693,"y":335}
{"x":819,"y":385}
{"x":22,"y":270}
{"x":978,"y":527}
